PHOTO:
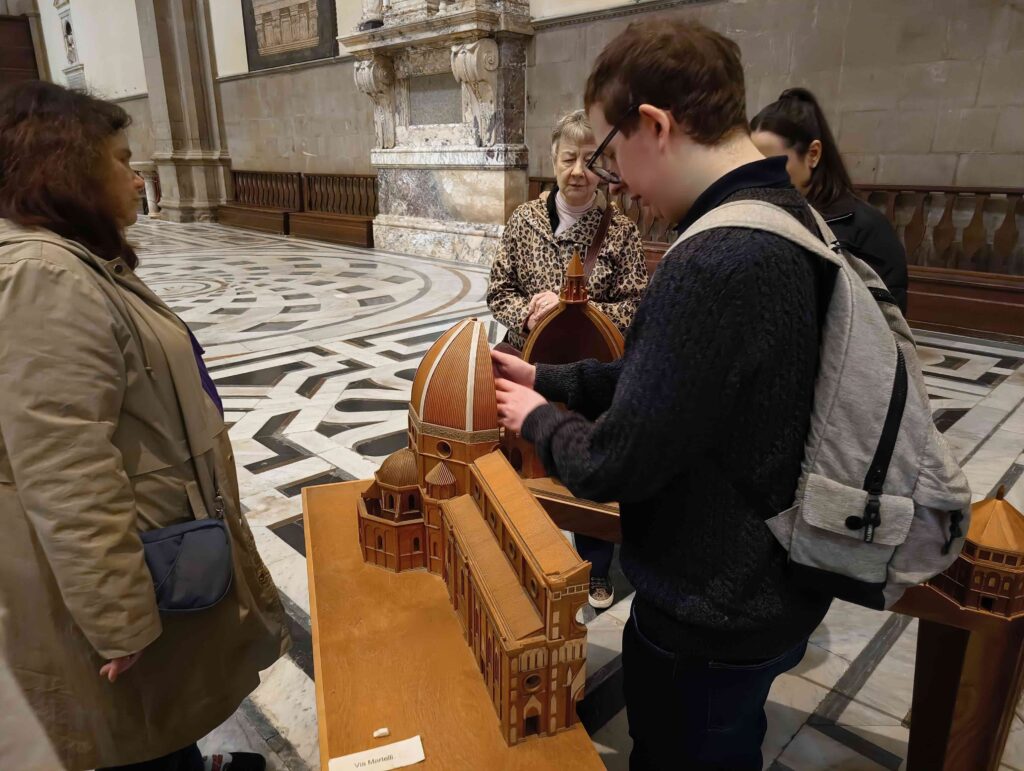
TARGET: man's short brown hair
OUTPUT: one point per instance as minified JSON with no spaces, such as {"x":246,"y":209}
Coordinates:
{"x":683,"y":67}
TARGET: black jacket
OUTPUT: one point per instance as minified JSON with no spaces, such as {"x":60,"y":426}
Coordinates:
{"x":698,"y":431}
{"x":866,"y":233}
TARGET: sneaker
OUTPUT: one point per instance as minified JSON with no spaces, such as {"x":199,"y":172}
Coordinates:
{"x":235,"y":761}
{"x":602,"y":595}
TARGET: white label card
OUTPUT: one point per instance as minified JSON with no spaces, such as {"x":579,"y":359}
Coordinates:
{"x":396,"y":755}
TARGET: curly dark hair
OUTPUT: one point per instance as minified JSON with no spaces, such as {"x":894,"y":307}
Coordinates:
{"x":52,"y":164}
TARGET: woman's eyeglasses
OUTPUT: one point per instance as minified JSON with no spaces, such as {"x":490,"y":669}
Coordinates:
{"x":602,"y":173}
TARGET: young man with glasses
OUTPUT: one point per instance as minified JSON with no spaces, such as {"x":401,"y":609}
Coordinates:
{"x":698,"y":431}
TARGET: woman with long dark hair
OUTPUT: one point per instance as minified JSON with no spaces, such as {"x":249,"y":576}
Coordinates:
{"x":110,"y":431}
{"x":795,"y":126}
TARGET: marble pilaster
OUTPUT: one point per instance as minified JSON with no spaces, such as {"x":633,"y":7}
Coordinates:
{"x":184,"y":98}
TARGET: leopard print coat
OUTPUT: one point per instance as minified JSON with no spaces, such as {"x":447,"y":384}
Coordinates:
{"x":531,"y":260}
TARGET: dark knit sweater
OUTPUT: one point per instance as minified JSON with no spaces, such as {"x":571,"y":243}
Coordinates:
{"x":698,"y":431}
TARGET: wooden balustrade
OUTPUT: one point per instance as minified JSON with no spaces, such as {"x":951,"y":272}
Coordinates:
{"x":354,"y":194}
{"x":961,"y":228}
{"x":964,"y":251}
{"x":268,"y":189}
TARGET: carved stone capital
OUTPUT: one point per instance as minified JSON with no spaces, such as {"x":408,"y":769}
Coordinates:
{"x":475,"y":66}
{"x":375,"y":77}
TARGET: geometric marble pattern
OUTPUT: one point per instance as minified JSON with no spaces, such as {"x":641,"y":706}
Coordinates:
{"x":313,"y":348}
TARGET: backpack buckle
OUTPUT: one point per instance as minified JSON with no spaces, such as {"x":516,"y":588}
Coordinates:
{"x":872,"y":518}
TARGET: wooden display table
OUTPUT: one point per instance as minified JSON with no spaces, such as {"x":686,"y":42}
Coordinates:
{"x":389,"y":651}
{"x":970,"y":665}
{"x":967,"y":682}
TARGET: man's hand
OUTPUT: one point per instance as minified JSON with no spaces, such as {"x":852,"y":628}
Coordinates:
{"x":116,"y":667}
{"x":515,"y":402}
{"x":540,"y":305}
{"x":512,"y":368}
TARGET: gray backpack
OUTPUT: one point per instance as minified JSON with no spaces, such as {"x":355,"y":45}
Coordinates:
{"x":881,"y":504}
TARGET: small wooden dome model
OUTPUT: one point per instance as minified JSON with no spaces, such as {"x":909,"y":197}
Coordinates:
{"x":988,"y":576}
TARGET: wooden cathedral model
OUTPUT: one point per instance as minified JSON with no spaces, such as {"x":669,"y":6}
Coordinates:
{"x":988,"y":576}
{"x":574,"y":331}
{"x":450,"y":503}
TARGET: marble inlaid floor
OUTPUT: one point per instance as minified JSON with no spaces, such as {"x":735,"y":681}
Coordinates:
{"x":314,"y":346}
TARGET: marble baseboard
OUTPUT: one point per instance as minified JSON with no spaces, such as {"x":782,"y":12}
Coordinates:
{"x":463,"y":242}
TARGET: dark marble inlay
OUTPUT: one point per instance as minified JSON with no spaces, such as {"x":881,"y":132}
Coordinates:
{"x":331,"y":477}
{"x":231,"y":311}
{"x":315,"y":349}
{"x":394,"y":356}
{"x":367,"y":383}
{"x":292,"y":534}
{"x":371,"y":405}
{"x":406,"y":374}
{"x":398,"y":279}
{"x":354,"y":288}
{"x":381,"y":300}
{"x":945,"y":419}
{"x":427,"y":338}
{"x":333,"y":429}
{"x":268,"y":376}
{"x":301,"y":309}
{"x":380,"y":446}
{"x":244,"y":300}
{"x":268,"y":436}
{"x":952,"y":362}
{"x":313,"y":384}
{"x":275,"y":326}
{"x":302,"y":296}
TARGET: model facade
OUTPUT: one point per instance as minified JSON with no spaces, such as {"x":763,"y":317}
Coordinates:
{"x":450,"y":503}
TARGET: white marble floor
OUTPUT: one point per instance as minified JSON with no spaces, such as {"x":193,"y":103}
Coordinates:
{"x":313,"y":347}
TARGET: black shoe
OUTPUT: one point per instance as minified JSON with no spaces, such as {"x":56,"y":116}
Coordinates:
{"x":602,"y":593}
{"x":235,"y":761}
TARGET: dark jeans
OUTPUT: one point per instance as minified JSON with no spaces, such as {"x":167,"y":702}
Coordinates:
{"x":597,"y":552}
{"x":187,"y":759}
{"x":696,"y":714}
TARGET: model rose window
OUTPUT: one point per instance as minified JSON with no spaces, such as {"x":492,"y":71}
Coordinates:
{"x":532,"y":683}
{"x":444,"y":449}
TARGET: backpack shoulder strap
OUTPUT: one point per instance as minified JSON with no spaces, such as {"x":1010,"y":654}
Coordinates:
{"x":761,"y":215}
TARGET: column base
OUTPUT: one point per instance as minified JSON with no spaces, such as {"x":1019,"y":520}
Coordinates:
{"x":475,"y":243}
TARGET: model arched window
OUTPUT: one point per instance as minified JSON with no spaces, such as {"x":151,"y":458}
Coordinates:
{"x":433,"y":549}
{"x":412,"y":503}
{"x":391,"y":502}
{"x":380,"y":543}
{"x":416,"y":545}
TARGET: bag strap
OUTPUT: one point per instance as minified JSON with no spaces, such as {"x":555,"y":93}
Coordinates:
{"x":761,"y":215}
{"x":597,"y":241}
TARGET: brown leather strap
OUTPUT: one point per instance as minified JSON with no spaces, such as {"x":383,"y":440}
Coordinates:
{"x":597,"y":241}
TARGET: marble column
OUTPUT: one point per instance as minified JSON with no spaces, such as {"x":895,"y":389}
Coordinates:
{"x":147,"y":170}
{"x":448,"y":84}
{"x":190,"y":153}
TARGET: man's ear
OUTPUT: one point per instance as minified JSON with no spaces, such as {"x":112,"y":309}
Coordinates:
{"x":658,"y":121}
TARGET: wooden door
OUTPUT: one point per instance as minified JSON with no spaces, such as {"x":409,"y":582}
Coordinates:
{"x":17,"y":54}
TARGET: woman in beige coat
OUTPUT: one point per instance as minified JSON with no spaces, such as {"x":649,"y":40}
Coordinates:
{"x":107,"y":429}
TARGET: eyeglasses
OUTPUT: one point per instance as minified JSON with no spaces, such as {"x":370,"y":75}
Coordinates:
{"x":601,"y":173}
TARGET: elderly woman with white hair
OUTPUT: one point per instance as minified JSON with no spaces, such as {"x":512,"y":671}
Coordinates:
{"x":535,"y":250}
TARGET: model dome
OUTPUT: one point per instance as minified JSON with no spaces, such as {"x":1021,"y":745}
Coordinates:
{"x":454,"y":385}
{"x":399,"y":469}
